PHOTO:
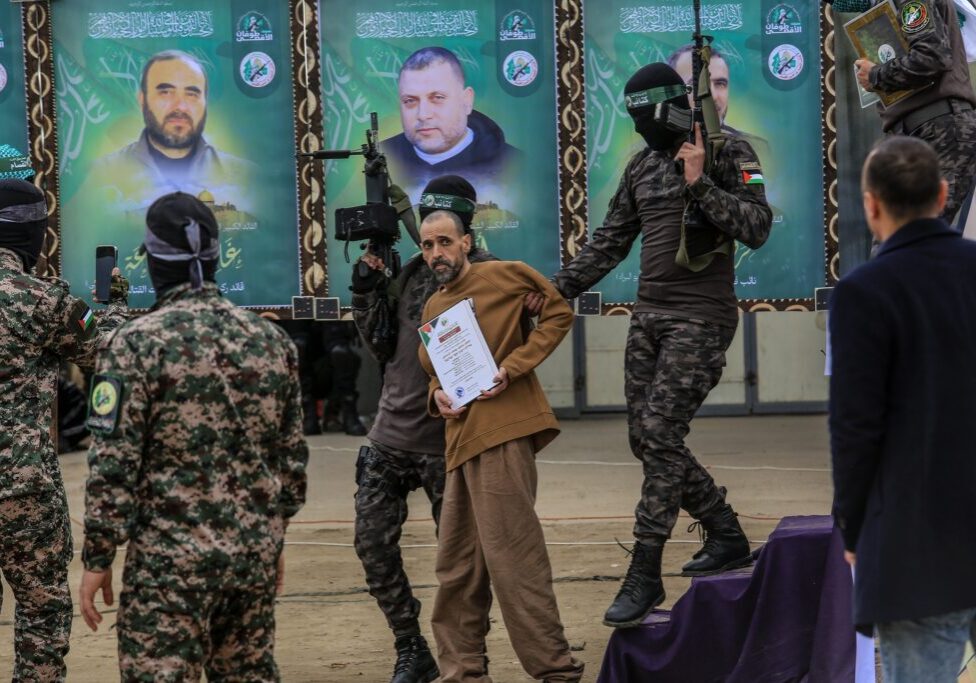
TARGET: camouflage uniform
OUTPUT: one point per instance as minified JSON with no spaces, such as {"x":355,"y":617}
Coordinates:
{"x":384,"y":477}
{"x":683,"y":322}
{"x":391,"y":468}
{"x":41,"y":324}
{"x":198,"y":466}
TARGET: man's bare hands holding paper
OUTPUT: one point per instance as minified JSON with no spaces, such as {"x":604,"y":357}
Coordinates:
{"x":502,"y":383}
{"x":444,"y":405}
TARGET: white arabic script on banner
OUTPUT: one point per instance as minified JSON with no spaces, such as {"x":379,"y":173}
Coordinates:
{"x":175,"y":24}
{"x":416,"y":24}
{"x":672,"y":18}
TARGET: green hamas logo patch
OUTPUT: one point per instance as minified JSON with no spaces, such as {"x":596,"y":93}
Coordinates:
{"x":253,"y":26}
{"x":783,"y":19}
{"x":517,"y":25}
{"x":104,"y":404}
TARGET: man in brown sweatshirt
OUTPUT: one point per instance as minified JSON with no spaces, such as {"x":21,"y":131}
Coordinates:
{"x":490,"y":535}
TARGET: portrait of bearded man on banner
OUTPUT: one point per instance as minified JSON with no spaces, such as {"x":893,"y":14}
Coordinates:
{"x":442,"y":131}
{"x":172,"y":154}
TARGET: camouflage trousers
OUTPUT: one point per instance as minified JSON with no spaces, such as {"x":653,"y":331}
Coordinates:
{"x":35,"y":549}
{"x":671,"y":365}
{"x":384,"y":477}
{"x":172,"y":635}
{"x":954,"y":139}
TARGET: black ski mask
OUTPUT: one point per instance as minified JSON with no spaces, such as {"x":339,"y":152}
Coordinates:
{"x":657,"y":101}
{"x":23,"y":220}
{"x":450,"y":193}
{"x":181,"y":243}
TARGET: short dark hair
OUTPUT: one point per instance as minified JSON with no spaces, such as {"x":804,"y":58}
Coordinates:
{"x":685,"y":49}
{"x":903,"y":173}
{"x":450,"y":215}
{"x":426,"y":56}
{"x":168,"y":55}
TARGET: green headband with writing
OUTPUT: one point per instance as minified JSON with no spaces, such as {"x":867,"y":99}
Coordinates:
{"x":446,"y":202}
{"x":647,"y":98}
{"x":16,"y":167}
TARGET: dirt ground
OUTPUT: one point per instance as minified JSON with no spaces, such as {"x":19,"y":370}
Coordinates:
{"x":329,"y":629}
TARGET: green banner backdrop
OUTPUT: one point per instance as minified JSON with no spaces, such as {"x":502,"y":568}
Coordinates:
{"x":771,"y":96}
{"x":224,"y":100}
{"x":13,"y":105}
{"x":499,"y":109}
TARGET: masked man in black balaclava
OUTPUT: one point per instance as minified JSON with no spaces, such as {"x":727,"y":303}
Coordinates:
{"x":41,"y":325}
{"x":686,"y":314}
{"x":198,"y":466}
{"x":406,"y":449}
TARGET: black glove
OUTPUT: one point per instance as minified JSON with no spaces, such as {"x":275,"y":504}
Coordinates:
{"x":365,"y":279}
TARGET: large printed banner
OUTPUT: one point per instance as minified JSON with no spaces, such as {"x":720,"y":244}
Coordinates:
{"x":461,"y":87}
{"x":185,"y":95}
{"x":13,"y":106}
{"x":766,"y":84}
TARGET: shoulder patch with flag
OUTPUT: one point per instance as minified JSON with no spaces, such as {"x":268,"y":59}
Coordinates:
{"x":81,"y":319}
{"x":751,"y":173}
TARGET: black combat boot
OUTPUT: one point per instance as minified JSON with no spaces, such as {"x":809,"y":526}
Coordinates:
{"x":641,"y":590}
{"x":349,"y":417}
{"x":726,"y":546}
{"x":414,"y":662}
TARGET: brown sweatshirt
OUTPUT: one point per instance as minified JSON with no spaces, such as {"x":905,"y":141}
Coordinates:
{"x":498,"y":289}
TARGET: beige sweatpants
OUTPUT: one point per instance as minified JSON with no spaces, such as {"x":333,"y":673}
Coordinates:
{"x":490,"y":538}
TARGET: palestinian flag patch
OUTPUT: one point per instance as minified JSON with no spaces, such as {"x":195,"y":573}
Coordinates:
{"x":753,"y":178}
{"x":87,"y":320}
{"x":79,"y":320}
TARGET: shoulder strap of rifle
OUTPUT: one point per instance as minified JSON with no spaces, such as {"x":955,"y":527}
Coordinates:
{"x":401,"y":202}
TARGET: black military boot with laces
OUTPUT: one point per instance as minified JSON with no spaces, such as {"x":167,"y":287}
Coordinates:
{"x":726,"y":546}
{"x":641,"y":590}
{"x":415,"y":663}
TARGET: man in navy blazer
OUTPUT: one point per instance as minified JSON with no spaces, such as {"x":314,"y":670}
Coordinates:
{"x":903,"y":419}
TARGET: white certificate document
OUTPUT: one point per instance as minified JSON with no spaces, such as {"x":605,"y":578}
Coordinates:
{"x":459,"y":353}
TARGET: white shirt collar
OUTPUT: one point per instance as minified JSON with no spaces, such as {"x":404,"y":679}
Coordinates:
{"x":453,"y":152}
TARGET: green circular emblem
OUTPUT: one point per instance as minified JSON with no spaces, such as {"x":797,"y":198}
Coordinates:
{"x":914,"y":17}
{"x":104,"y":398}
{"x":520,"y":68}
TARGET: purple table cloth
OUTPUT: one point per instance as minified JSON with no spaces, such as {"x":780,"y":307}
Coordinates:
{"x":786,"y":619}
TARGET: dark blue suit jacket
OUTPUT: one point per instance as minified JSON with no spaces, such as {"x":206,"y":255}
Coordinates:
{"x":903,"y":424}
